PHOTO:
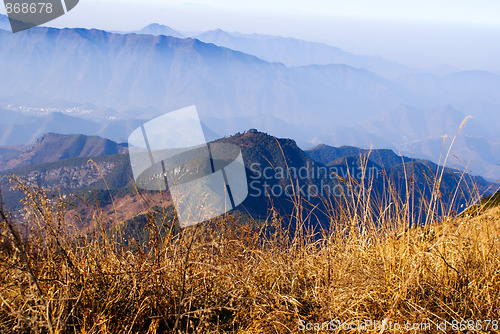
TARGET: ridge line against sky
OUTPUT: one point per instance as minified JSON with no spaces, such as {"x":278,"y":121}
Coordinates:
{"x":418,"y":33}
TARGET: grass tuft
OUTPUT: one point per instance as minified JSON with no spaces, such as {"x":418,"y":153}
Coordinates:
{"x":226,"y":276}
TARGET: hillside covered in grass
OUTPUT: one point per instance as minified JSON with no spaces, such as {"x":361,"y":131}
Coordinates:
{"x":229,"y":276}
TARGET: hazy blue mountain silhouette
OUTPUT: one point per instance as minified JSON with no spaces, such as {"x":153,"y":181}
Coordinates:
{"x":420,"y":133}
{"x":156,"y":29}
{"x":143,"y":76}
{"x":461,"y":86}
{"x":296,"y":52}
{"x":164,"y":73}
{"x":23,"y":129}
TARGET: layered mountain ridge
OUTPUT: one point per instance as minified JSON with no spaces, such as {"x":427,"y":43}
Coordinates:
{"x":131,"y":78}
{"x":78,"y":164}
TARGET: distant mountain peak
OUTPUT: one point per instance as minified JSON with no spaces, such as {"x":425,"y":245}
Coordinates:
{"x":44,"y":137}
{"x":157,"y":29}
{"x":213,"y":36}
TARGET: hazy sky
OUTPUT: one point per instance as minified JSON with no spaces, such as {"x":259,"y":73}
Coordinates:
{"x":423,"y":33}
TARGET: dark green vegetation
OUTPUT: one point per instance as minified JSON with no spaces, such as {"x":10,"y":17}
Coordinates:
{"x":492,"y":200}
{"x":487,"y":202}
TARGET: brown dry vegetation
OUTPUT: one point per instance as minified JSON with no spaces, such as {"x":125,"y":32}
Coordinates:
{"x":122,"y":208}
{"x":226,"y":276}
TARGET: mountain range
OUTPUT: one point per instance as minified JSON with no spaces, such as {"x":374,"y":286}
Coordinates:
{"x":286,"y":50}
{"x":162,"y":73}
{"x":81,"y":165}
{"x":53,"y":147}
{"x":131,"y":78}
{"x":289,"y":51}
{"x":295,"y":52}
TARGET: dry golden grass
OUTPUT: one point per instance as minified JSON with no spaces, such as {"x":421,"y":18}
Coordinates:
{"x":226,"y":277}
